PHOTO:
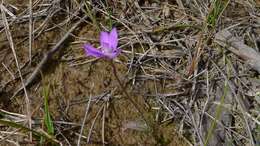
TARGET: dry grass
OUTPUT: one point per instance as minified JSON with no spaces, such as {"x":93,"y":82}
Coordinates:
{"x":183,"y":64}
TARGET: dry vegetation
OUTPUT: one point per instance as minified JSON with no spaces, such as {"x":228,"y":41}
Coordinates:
{"x":191,"y":67}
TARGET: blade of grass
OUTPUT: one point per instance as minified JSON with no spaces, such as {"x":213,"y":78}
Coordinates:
{"x":19,"y":126}
{"x":109,"y":11}
{"x":218,"y":111}
{"x":37,"y":134}
{"x":217,"y":115}
{"x":91,"y":16}
{"x":47,"y":117}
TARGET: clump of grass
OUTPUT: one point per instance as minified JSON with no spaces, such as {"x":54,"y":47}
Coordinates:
{"x":218,"y":7}
{"x":92,"y":16}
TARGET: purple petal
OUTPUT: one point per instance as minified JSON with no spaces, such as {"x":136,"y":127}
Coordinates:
{"x":114,"y":54}
{"x":109,"y":40}
{"x":91,"y":51}
{"x":113,"y":37}
{"x":104,"y":39}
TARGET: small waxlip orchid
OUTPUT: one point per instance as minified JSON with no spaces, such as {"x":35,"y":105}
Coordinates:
{"x":108,"y":43}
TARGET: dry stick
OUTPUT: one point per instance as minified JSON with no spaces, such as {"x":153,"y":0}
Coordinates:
{"x":49,"y":55}
{"x":233,"y":44}
{"x":125,"y":92}
{"x":84,"y":120}
{"x":93,"y":124}
{"x":30,"y":30}
{"x":10,"y":40}
{"x":239,"y":101}
{"x":103,"y":125}
{"x":8,"y":70}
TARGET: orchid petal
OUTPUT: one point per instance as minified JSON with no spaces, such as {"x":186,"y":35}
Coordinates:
{"x":104,"y":39}
{"x":91,"y":51}
{"x":113,"y":37}
{"x":108,"y":42}
{"x":114,"y":54}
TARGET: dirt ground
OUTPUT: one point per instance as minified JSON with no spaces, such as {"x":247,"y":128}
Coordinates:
{"x":71,"y":83}
{"x":177,"y":86}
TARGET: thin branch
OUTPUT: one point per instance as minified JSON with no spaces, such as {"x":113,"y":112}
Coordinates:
{"x":11,"y":43}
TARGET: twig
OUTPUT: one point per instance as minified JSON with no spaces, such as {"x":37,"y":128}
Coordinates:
{"x":30,"y":30}
{"x":48,"y":55}
{"x":84,"y":120}
{"x":103,"y":124}
{"x":93,"y":123}
{"x":8,"y":70}
{"x":241,"y":105}
{"x":11,"y":43}
{"x":225,"y":38}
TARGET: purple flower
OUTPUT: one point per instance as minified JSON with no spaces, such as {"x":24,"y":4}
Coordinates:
{"x":108,"y":42}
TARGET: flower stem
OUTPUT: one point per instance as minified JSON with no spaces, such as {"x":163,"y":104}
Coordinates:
{"x":125,"y":92}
